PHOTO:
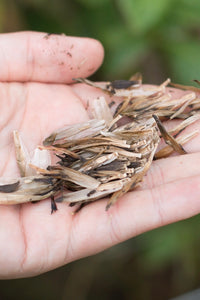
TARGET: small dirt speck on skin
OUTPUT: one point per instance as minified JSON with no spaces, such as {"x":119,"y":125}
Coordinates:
{"x":69,"y":54}
{"x":46,"y":36}
{"x":91,"y":70}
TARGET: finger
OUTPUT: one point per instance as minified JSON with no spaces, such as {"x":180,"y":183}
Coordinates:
{"x":34,"y":56}
{"x":171,"y":169}
{"x":135,"y":213}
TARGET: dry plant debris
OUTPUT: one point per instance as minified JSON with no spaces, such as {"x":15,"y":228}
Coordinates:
{"x":109,"y":154}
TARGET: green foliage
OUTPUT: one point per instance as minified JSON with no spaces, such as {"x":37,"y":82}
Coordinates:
{"x":93,"y":3}
{"x":168,"y":244}
{"x":142,"y":15}
{"x":183,"y":59}
{"x":158,"y":38}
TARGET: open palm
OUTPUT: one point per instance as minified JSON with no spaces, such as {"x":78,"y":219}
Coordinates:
{"x":35,"y":100}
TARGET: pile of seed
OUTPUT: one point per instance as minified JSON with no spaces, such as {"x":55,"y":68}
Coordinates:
{"x":109,"y":154}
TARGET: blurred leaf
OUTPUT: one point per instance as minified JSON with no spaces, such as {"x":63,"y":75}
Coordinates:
{"x":93,"y":3}
{"x":142,"y":15}
{"x":2,"y":14}
{"x":185,"y":13}
{"x":183,"y":58}
{"x":123,"y":60}
{"x":170,"y":243}
{"x":162,"y":248}
{"x":123,"y":52}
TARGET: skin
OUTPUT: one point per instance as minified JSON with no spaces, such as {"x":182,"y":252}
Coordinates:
{"x":38,"y":97}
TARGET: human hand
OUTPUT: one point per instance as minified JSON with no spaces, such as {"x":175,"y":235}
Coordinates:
{"x":36,"y":100}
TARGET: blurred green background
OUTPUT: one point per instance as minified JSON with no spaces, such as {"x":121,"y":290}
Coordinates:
{"x":159,"y":38}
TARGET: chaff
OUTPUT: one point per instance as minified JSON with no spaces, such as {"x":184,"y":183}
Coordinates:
{"x":109,"y":154}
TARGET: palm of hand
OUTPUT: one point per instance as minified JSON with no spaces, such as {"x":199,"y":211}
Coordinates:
{"x":35,"y":109}
{"x":34,"y":241}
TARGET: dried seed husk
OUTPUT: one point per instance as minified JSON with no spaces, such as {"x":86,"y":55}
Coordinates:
{"x":169,"y":139}
{"x":27,"y":189}
{"x":86,"y":195}
{"x":137,"y":90}
{"x":197,"y":81}
{"x":190,"y":120}
{"x":110,"y":154}
{"x":76,"y":132}
{"x":167,"y":150}
{"x":185,"y":87}
{"x":22,"y":156}
{"x":101,"y":111}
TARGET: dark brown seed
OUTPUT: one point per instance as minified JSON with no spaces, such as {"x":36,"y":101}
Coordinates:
{"x":122,"y":84}
{"x":91,"y":193}
{"x":53,"y":205}
{"x":169,"y":139}
{"x":9,"y":188}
